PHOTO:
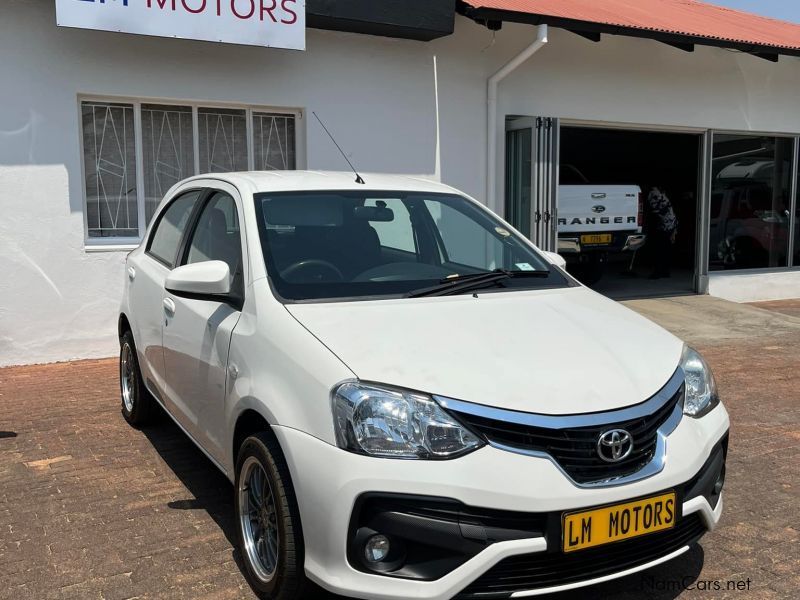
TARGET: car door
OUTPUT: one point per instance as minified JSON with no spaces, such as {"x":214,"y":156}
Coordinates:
{"x":197,"y":332}
{"x":147,"y":272}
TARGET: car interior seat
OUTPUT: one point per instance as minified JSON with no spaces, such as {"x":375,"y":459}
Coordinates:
{"x":213,"y":241}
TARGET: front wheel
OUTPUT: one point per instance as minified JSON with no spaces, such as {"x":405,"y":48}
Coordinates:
{"x":268,"y":529}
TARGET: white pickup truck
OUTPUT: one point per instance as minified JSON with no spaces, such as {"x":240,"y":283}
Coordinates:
{"x":595,"y":221}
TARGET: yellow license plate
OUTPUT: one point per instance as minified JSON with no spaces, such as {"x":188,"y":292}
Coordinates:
{"x":620,"y":522}
{"x":597,"y":238}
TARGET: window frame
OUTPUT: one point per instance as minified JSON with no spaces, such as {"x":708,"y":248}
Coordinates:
{"x":202,"y":196}
{"x":119,"y":243}
{"x":704,"y":264}
{"x":191,"y":228}
{"x":209,"y":191}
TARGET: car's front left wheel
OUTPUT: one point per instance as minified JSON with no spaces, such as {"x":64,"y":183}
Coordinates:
{"x":268,"y":521}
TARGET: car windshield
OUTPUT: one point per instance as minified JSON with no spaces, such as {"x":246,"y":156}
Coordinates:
{"x":363,"y":245}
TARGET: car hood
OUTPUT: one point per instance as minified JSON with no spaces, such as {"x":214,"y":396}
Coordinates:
{"x":561,"y":351}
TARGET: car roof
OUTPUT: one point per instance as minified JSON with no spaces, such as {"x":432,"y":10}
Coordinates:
{"x":296,"y":181}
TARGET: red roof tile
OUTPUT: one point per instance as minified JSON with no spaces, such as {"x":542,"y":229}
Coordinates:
{"x":679,"y":17}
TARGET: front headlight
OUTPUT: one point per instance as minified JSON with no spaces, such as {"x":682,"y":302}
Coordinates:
{"x":394,"y":423}
{"x":701,"y":389}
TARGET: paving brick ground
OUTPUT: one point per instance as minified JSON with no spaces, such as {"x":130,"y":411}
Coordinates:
{"x":787,"y":307}
{"x":90,"y":508}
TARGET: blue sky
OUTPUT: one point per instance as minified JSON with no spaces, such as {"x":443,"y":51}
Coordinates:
{"x":788,"y":10}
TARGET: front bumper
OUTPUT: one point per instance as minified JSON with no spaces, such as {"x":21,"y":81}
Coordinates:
{"x":570,"y":244}
{"x":329,"y":483}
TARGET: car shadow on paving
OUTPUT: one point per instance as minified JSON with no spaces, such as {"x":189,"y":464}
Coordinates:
{"x":209,"y":490}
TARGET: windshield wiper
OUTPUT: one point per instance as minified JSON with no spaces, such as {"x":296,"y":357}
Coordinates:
{"x":473,"y":281}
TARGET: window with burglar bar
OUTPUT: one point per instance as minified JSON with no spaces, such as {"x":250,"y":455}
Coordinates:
{"x":134,"y":152}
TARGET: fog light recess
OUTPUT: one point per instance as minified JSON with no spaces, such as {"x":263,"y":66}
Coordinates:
{"x":376,"y":549}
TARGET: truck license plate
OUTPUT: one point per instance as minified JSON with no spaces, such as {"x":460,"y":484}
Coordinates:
{"x":596,"y":239}
{"x":609,"y":524}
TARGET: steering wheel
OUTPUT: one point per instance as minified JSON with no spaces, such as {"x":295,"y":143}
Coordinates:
{"x":321,"y":266}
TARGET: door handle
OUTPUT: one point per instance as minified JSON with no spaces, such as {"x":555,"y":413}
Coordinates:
{"x":537,"y":216}
{"x":547,"y":216}
{"x":131,"y":273}
{"x":169,"y":306}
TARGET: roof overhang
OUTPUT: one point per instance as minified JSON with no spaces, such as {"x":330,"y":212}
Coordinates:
{"x":494,"y":17}
{"x":422,"y":20}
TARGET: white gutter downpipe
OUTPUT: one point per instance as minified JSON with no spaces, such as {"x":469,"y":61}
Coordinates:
{"x":494,"y":80}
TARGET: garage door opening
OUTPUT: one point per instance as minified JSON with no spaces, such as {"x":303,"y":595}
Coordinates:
{"x":618,"y":185}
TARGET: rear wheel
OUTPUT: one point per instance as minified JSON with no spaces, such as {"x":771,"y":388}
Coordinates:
{"x":137,"y":404}
{"x":268,"y":521}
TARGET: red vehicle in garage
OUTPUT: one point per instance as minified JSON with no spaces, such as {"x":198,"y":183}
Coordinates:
{"x":749,"y":217}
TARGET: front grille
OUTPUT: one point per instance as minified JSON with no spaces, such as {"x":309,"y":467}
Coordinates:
{"x":575,"y":449}
{"x":547,"y":569}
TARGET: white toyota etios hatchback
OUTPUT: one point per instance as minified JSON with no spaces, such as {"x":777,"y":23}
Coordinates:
{"x":412,"y":400}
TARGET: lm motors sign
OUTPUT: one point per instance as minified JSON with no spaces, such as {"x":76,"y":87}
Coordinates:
{"x":273,"y":23}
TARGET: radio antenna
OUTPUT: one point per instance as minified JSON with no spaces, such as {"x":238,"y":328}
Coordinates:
{"x":359,"y":179}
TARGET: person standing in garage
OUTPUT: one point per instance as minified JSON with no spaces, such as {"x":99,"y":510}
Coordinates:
{"x":663,"y":232}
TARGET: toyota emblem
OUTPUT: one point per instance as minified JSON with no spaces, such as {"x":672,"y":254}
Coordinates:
{"x":614,"y":445}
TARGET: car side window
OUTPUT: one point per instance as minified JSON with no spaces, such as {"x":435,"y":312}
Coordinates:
{"x":169,"y":230}
{"x":217,"y":235}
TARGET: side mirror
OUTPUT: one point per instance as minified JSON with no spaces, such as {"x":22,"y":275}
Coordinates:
{"x":210,"y":280}
{"x":556,"y":259}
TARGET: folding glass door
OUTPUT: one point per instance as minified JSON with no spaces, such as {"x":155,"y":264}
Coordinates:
{"x":532,"y":178}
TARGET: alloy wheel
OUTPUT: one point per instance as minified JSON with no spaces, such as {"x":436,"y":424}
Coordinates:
{"x":258,"y":520}
{"x":127,"y":371}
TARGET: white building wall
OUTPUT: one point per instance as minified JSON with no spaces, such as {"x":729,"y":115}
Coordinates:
{"x":755,"y":287}
{"x":59,"y":301}
{"x":640,"y":81}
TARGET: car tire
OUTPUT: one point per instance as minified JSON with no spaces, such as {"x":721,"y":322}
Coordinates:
{"x":137,"y":403}
{"x":274,"y":566}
